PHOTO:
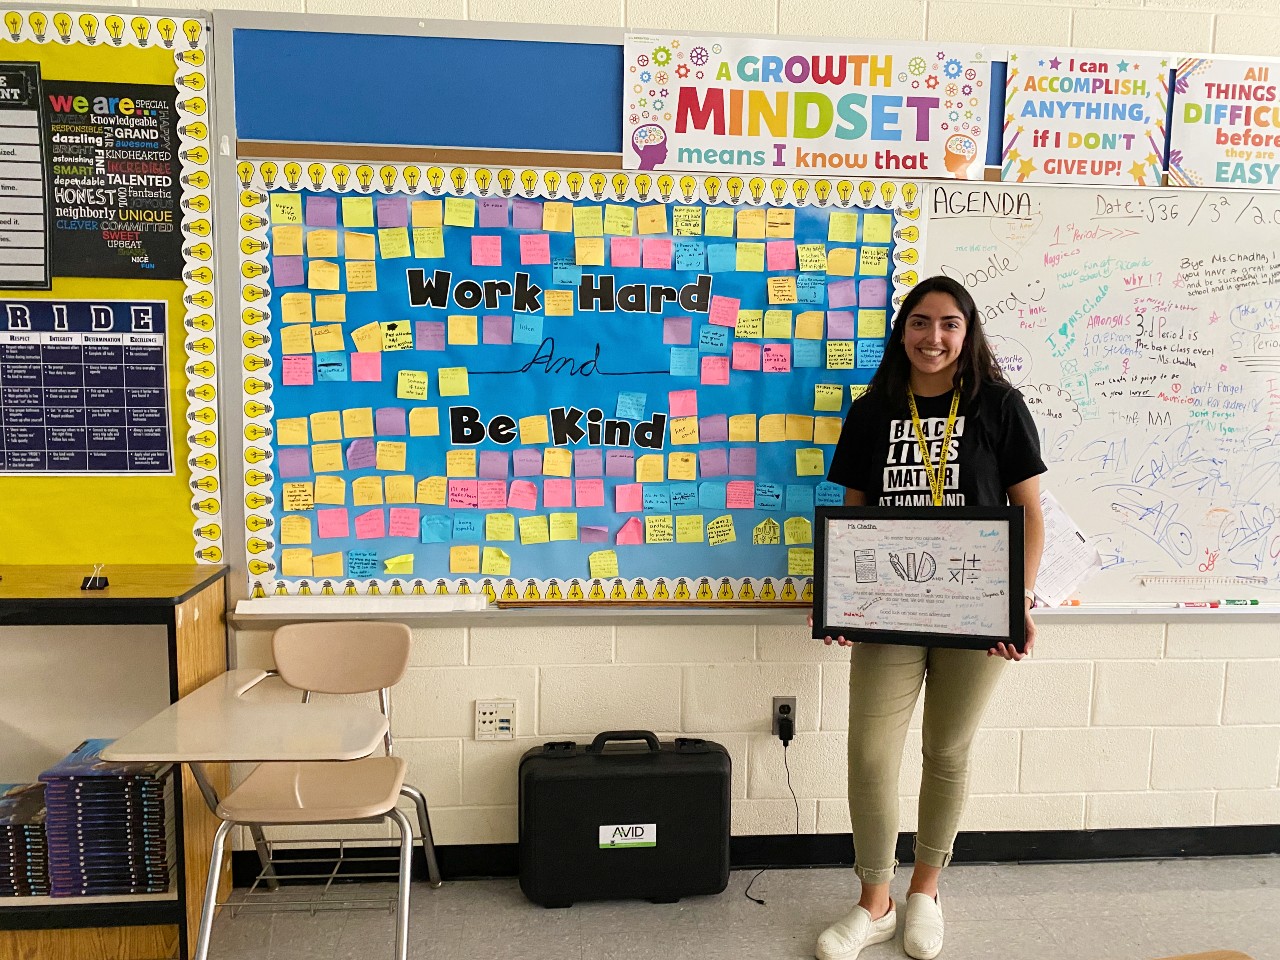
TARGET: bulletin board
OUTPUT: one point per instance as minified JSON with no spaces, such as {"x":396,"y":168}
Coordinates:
{"x":553,"y":385}
{"x":108,"y":417}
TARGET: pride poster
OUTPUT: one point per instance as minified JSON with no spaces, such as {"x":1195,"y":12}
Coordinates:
{"x":1226,"y":125}
{"x":707,"y":103}
{"x":1085,"y":117}
{"x":582,"y":389}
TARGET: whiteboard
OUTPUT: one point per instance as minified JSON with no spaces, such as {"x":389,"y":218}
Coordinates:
{"x":1143,"y":328}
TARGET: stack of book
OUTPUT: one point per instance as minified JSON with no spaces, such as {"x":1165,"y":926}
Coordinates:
{"x":109,"y":825}
{"x":24,"y":868}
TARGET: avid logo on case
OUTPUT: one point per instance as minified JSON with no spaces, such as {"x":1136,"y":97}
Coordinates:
{"x":616,"y":836}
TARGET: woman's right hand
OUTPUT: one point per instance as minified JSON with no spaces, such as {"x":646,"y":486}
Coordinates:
{"x":828,"y":640}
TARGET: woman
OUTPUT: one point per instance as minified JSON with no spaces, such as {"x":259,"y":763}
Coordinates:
{"x":939,"y":402}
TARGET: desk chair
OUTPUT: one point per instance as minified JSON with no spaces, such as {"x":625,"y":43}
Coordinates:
{"x":335,"y":658}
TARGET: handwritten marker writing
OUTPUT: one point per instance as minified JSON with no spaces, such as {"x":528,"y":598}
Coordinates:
{"x":1240,"y":603}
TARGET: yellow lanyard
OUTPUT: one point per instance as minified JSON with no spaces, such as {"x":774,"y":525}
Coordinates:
{"x":936,"y":477}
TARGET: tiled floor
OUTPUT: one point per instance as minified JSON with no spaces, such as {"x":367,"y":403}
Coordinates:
{"x":1076,"y":911}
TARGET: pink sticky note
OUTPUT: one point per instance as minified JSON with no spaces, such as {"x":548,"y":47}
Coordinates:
{"x":493,"y":464}
{"x":332,"y":523}
{"x":535,"y":247}
{"x":371,"y":525}
{"x":392,"y":212}
{"x":619,"y":463}
{"x":486,"y":251}
{"x":715,"y":371}
{"x":524,"y":493}
{"x":297,"y":371}
{"x":526,"y":462}
{"x":557,"y":492}
{"x":842,"y":293}
{"x":631,"y":532}
{"x":404,"y":522}
{"x":713,"y":462}
{"x":777,"y":358}
{"x":390,"y":422}
{"x":628,"y":498}
{"x":286,"y":272}
{"x":593,"y":534}
{"x":589,"y":493}
{"x":873,"y":293}
{"x":713,"y":428}
{"x":366,"y":367}
{"x":746,"y":356}
{"x":780,"y":254}
{"x":724,"y":311}
{"x":588,"y":463}
{"x":322,"y":211}
{"x":676,"y":330}
{"x":491,"y":494}
{"x":839,"y":325}
{"x":526,"y":214}
{"x":740,"y":495}
{"x":463,"y":494}
{"x":742,"y":461}
{"x":429,"y":334}
{"x":624,"y":251}
{"x":493,"y":212}
{"x":496,"y":330}
{"x":683,"y":403}
{"x":657,"y":253}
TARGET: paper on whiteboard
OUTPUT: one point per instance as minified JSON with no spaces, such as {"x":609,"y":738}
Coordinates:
{"x":1069,"y":559}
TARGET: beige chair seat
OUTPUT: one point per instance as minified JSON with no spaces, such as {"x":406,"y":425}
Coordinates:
{"x":308,"y":792}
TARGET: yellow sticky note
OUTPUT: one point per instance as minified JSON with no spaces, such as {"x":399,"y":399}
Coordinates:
{"x":777,"y":323}
{"x":396,"y":335}
{"x":424,"y":422}
{"x":557,"y":217}
{"x":361,"y":277}
{"x":871,"y":324}
{"x":564,"y":526}
{"x":533,"y":431}
{"x":534,"y":530}
{"x":877,"y":228}
{"x":589,"y":251}
{"x":327,"y":338}
{"x":828,"y":396}
{"x":368,"y":338}
{"x":742,"y":427}
{"x":773,"y":428}
{"x":295,"y":339}
{"x":840,"y":355}
{"x":460,"y":463}
{"x":842,"y":261}
{"x":297,"y":495}
{"x":411,"y":385}
{"x":682,"y":466}
{"x":826,"y":430}
{"x":782,"y":289}
{"x":750,"y":258}
{"x":390,"y":454}
{"x":366,"y":491}
{"x":649,"y":468}
{"x":432,"y":490}
{"x":684,"y":430}
{"x":809,"y":325}
{"x":499,"y":526}
{"x":557,"y":462}
{"x":295,"y":308}
{"x":295,"y":562}
{"x":400,"y":488}
{"x":658,"y":528}
{"x":323,"y":275}
{"x":459,"y":212}
{"x":619,"y":221}
{"x":426,"y":213}
{"x":357,"y":422}
{"x":558,"y":303}
{"x":588,"y":222}
{"x":357,"y":211}
{"x":812,"y":256}
{"x":286,"y":208}
{"x":799,"y":530}
{"x":322,"y":243}
{"x":856,"y":390}
{"x":799,"y":427}
{"x":332,"y":490}
{"x":495,"y":562}
{"x":766,"y":533}
{"x":428,"y":243}
{"x":810,"y":463}
{"x":780,"y":223}
{"x":750,"y":325}
{"x":874,"y":262}
{"x":720,"y":531}
{"x":602,"y":564}
{"x":326,"y":425}
{"x":689,"y":528}
{"x":328,"y":565}
{"x":292,"y":432}
{"x":331,"y":308}
{"x":287,"y":241}
{"x":686,"y":222}
{"x":401,"y":564}
{"x":751,"y":223}
{"x":393,"y":242}
{"x":453,"y":382}
{"x":652,"y":218}
{"x":719,"y":222}
{"x":463,"y":331}
{"x":464,"y":559}
{"x":842,"y":227}
{"x":800,"y":562}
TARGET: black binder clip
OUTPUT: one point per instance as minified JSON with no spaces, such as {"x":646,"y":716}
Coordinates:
{"x":95,"y":580}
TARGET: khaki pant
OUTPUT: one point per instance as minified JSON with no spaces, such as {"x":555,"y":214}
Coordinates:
{"x":884,"y":684}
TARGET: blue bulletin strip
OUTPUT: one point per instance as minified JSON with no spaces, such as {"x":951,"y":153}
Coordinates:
{"x":84,"y":387}
{"x":554,"y":386}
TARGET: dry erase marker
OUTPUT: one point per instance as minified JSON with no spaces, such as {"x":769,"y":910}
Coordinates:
{"x":1240,"y":603}
{"x":1198,"y":603}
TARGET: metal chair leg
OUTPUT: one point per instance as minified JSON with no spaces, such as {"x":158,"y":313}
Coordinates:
{"x":264,"y":856}
{"x":402,"y":893}
{"x":211,"y":890}
{"x":424,"y":827}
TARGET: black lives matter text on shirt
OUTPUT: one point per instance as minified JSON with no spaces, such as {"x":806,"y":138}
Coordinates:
{"x":114,"y":179}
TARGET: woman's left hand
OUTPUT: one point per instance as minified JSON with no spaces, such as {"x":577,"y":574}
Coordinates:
{"x":1009,"y":651}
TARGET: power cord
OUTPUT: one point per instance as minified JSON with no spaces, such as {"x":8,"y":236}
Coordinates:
{"x":786,"y":733}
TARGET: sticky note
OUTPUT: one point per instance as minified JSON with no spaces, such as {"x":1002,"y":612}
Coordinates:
{"x":840,"y":325}
{"x":291,"y":431}
{"x":371,"y":525}
{"x":780,"y":222}
{"x":297,"y":371}
{"x":630,"y":533}
{"x":800,"y":562}
{"x":357,"y":211}
{"x":333,"y":523}
{"x":589,"y":251}
{"x":826,"y":430}
{"x":715,"y":371}
{"x":724,"y":311}
{"x":404,"y":522}
{"x":401,"y":564}
{"x":740,"y":494}
{"x":563,"y":526}
{"x":366,"y":367}
{"x":588,"y":221}
{"x":534,"y":530}
{"x":360,"y":454}
{"x":292,"y":463}
{"x":494,"y":212}
{"x":400,"y":489}
{"x":459,"y":212}
{"x":366,"y":491}
{"x":331,"y":365}
{"x":463,"y":330}
{"x":711,"y":496}
{"x":618,"y":220}
{"x":286,"y":271}
{"x":322,"y":211}
{"x":491,"y":494}
{"x":295,"y":338}
{"x":295,"y":308}
{"x":659,"y":529}
{"x":871,"y":323}
{"x":453,"y":381}
{"x":327,"y":337}
{"x":828,"y":396}
{"x":624,"y":251}
{"x":588,"y":533}
{"x":326,"y":425}
{"x":842,"y":227}
{"x":602,"y":564}
{"x":362,"y":563}
{"x":396,"y":335}
{"x":812,"y":256}
{"x":766,"y":533}
{"x":497,"y":330}
{"x":750,"y":257}
{"x":750,"y":324}
{"x":676,"y":330}
{"x":682,"y":466}
{"x":689,"y":528}
{"x":286,"y":208}
{"x":656,"y":254}
{"x":533,"y":430}
{"x":359,"y":246}
{"x":686,"y":221}
{"x":428,"y":243}
{"x":751,"y":223}
{"x":780,"y":254}
{"x":842,"y":261}
{"x":330,"y":490}
{"x":426,"y":213}
{"x":799,"y":427}
{"x":628,"y":498}
{"x":873,"y":261}
{"x":588,"y":462}
{"x":869,"y":353}
{"x":773,"y":428}
{"x":460,"y":463}
{"x":297,"y":496}
{"x":589,"y":492}
{"x":777,"y":358}
{"x":720,"y":531}
{"x":619,"y":463}
{"x":558,"y":303}
{"x":424,"y":422}
{"x":464,"y":559}
{"x":499,"y":526}
{"x":361,"y":277}
{"x":287,"y":242}
{"x":323,"y":275}
{"x":523,"y":495}
{"x":746,"y":356}
{"x":777,"y":324}
{"x":557,"y":493}
{"x":557,"y":462}
{"x":840,"y":355}
{"x":842,"y":293}
{"x":718,"y":222}
{"x":768,"y":496}
{"x":391,"y":454}
{"x":649,"y":468}
{"x":327,"y":565}
{"x":742,"y":427}
{"x":430,"y":335}
{"x":809,"y":325}
{"x":357,"y":422}
{"x":431,"y":490}
{"x":367,"y":338}
{"x":526,"y":462}
{"x":393,"y":242}
{"x":690,"y":255}
{"x":877,"y":228}
{"x":873,"y":293}
{"x":713,"y":461}
{"x":782,"y":289}
{"x":295,"y":562}
{"x":486,"y":251}
{"x":495,"y":562}
{"x":652,"y":218}
{"x":810,"y":463}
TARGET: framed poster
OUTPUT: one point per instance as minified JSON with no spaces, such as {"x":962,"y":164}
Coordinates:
{"x":923,"y":576}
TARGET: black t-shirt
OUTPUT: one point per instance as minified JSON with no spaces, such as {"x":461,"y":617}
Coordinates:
{"x":994,"y":445}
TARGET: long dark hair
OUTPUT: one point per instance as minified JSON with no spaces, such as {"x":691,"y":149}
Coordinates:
{"x":976,"y":365}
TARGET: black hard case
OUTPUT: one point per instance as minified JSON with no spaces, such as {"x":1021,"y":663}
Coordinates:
{"x":567,"y":792}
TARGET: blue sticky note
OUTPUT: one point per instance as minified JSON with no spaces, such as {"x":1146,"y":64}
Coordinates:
{"x":711,"y":496}
{"x":631,"y":405}
{"x":811,"y":288}
{"x":690,"y":254}
{"x":332,"y":365}
{"x":684,"y":496}
{"x":799,"y":498}
{"x":436,"y":528}
{"x":829,"y":494}
{"x":722,"y":257}
{"x":656,"y":498}
{"x":768,"y":496}
{"x":806,"y":353}
{"x":526,"y":330}
{"x":684,"y":362}
{"x":713,"y":339}
{"x":466,"y":527}
{"x":565,"y":270}
{"x":362,"y":563}
{"x":869,"y":353}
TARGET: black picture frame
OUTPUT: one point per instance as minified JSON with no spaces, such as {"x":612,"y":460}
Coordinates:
{"x":1010,"y":516}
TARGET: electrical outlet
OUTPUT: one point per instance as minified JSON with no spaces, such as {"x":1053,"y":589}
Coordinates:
{"x":783,"y":707}
{"x":495,"y":719}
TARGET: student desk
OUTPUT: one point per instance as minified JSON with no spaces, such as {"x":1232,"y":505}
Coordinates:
{"x":190,"y":602}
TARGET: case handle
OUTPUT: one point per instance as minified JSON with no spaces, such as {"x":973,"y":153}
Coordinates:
{"x":597,"y":745}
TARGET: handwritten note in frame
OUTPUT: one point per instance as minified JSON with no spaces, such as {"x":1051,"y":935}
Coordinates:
{"x":922,"y":576}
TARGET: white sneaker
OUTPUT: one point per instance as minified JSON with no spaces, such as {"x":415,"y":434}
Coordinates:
{"x":844,"y":939}
{"x":922,"y":937}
